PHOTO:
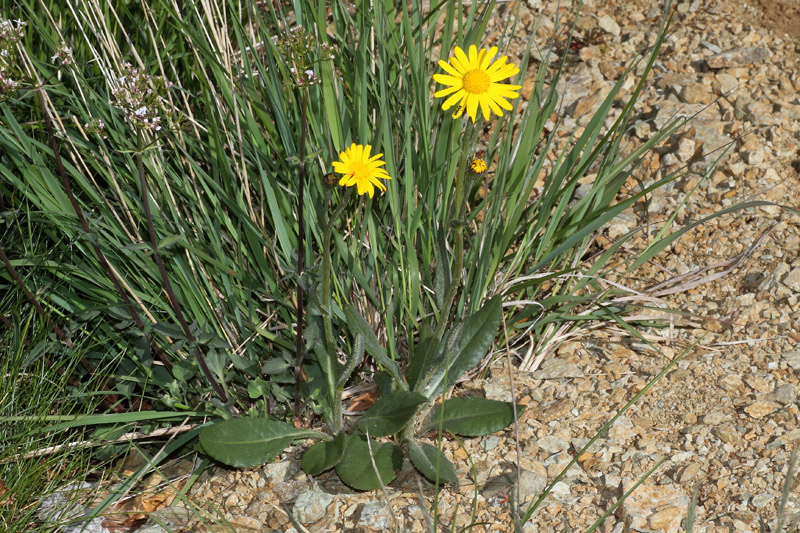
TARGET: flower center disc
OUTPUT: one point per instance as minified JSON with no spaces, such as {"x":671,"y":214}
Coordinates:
{"x":360,"y":170}
{"x":476,"y":81}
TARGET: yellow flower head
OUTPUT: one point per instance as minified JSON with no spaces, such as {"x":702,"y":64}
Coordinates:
{"x":473,"y":80}
{"x":478,"y":165}
{"x":360,"y":169}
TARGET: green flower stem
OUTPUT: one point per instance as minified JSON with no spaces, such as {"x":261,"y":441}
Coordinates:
{"x":327,"y":311}
{"x":458,"y":224}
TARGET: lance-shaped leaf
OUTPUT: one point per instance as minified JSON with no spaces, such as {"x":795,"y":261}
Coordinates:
{"x":472,"y":417}
{"x":357,"y":325}
{"x":246,"y":442}
{"x":389,"y":414}
{"x":477,"y":336}
{"x":356,"y":468}
{"x":429,"y":460}
{"x":324,"y":455}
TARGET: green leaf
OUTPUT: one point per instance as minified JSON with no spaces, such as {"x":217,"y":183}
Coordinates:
{"x":258,"y":388}
{"x":324,"y":455}
{"x":358,"y":325}
{"x":429,"y":460}
{"x":246,"y":442}
{"x":169,"y":241}
{"x":421,"y":359}
{"x":477,"y":336}
{"x":472,"y":417}
{"x":356,"y":468}
{"x":388,"y":415}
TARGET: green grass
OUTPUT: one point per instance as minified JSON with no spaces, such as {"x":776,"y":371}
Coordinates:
{"x":35,"y":384}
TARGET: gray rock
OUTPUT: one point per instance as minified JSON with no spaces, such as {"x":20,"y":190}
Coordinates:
{"x":710,"y":46}
{"x":376,"y":515}
{"x":610,"y":25}
{"x":738,"y":57}
{"x":552,"y":444}
{"x":531,"y":485}
{"x":785,"y":394}
{"x":490,"y":443}
{"x":311,"y":505}
{"x":276,"y":472}
{"x":60,"y":504}
{"x":761,"y":500}
{"x":792,"y":359}
{"x":792,"y":280}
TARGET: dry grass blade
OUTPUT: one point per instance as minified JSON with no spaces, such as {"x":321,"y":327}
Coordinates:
{"x":690,"y":280}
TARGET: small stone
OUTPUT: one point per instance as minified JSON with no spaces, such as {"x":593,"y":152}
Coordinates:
{"x":553,"y":444}
{"x":792,"y":359}
{"x":276,"y":472}
{"x":558,"y":368}
{"x":376,"y":516}
{"x":655,"y":507}
{"x":760,"y":409}
{"x":792,"y":280}
{"x":490,"y":443}
{"x":731,"y":382}
{"x":608,"y":24}
{"x":713,"y":418}
{"x":710,"y":46}
{"x":761,"y":500}
{"x":696,"y":93}
{"x":785,"y":394}
{"x":557,"y":410}
{"x":311,"y":506}
{"x":753,"y":157}
{"x":641,"y":128}
{"x":661,"y":520}
{"x":738,"y":57}
{"x":531,"y":484}
{"x":727,"y":434}
{"x":727,"y":83}
{"x":686,"y":148}
{"x":690,"y":472}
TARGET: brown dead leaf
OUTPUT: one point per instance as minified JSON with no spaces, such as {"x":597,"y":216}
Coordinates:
{"x":364,"y":401}
{"x":6,"y":498}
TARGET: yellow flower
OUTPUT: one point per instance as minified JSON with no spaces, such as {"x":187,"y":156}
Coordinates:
{"x":360,"y":169}
{"x":474,"y":79}
{"x":478,"y":165}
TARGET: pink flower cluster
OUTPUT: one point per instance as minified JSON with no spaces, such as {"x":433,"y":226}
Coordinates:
{"x":140,"y":96}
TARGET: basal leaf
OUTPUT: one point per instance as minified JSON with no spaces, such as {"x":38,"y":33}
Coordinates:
{"x":324,"y":455}
{"x":388,"y":415}
{"x":428,"y":459}
{"x":472,"y":417}
{"x":246,"y":442}
{"x":356,"y":467}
